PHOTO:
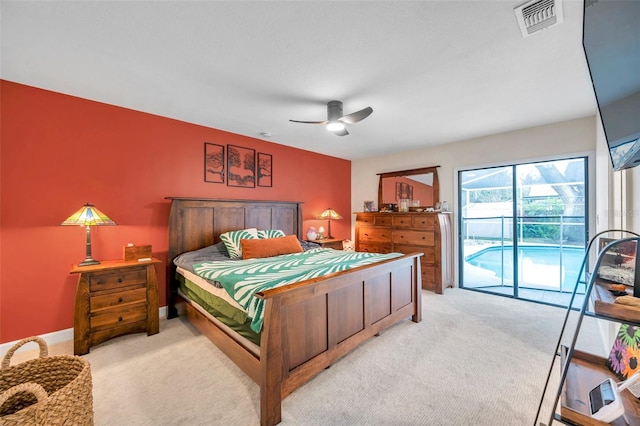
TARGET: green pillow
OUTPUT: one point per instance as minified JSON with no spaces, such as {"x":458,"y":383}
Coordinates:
{"x":232,"y":239}
{"x":270,"y":233}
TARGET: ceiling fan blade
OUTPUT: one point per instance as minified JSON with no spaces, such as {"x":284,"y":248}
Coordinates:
{"x":354,"y":117}
{"x":342,"y":132}
{"x":309,"y":122}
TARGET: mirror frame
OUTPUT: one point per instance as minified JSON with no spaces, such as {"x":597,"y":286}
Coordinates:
{"x":410,"y":172}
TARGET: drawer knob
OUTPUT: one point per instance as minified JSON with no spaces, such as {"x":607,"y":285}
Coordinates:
{"x":120,"y":279}
{"x":120,"y":300}
{"x":119,"y":319}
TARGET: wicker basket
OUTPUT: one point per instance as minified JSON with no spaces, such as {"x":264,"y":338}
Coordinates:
{"x":54,"y":390}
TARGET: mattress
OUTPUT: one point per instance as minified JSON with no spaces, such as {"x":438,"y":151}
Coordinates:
{"x":206,"y":286}
{"x":205,"y":297}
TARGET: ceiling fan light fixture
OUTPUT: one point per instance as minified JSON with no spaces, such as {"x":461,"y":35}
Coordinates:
{"x":335,"y":126}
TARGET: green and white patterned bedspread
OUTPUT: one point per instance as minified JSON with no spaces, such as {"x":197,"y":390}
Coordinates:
{"x":243,"y":278}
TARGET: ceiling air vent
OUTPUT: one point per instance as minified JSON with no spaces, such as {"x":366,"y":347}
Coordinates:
{"x":537,"y":15}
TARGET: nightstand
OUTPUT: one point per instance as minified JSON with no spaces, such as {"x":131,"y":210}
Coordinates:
{"x":329,"y":243}
{"x":113,"y":298}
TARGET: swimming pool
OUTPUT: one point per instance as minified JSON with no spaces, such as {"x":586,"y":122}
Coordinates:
{"x":539,"y":266}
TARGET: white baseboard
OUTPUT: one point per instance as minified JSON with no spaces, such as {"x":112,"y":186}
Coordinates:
{"x":55,"y":337}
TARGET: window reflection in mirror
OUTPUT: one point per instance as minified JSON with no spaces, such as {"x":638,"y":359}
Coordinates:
{"x":419,"y":186}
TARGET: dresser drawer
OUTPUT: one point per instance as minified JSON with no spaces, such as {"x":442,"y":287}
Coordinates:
{"x":115,"y":279}
{"x":364,"y":219}
{"x":375,"y":247}
{"x":428,"y":277}
{"x":382,"y":235}
{"x":382,"y":220}
{"x":425,"y":222}
{"x":413,"y":237}
{"x":105,"y":301}
{"x":401,"y":221}
{"x":118,"y":316}
{"x":428,"y":253}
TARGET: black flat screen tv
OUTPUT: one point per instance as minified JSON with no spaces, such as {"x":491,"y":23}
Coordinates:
{"x":611,"y":42}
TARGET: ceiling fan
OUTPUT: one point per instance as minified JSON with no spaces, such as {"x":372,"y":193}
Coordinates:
{"x":336,"y":120}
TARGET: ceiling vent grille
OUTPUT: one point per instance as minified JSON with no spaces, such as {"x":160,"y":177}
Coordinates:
{"x":537,"y":15}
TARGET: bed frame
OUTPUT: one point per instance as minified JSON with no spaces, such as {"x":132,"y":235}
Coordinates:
{"x":307,"y":325}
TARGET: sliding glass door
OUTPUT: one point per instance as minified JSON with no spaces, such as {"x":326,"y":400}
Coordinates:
{"x":523,"y":228}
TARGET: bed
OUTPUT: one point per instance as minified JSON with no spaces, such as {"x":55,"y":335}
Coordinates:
{"x":307,"y":326}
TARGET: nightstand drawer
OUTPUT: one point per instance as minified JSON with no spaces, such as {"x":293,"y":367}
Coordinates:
{"x":118,"y":299}
{"x":115,"y":279}
{"x":119,"y":316}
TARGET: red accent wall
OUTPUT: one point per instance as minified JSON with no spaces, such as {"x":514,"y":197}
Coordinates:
{"x":58,"y":152}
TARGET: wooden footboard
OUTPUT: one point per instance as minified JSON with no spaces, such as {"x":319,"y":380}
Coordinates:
{"x":308,"y":326}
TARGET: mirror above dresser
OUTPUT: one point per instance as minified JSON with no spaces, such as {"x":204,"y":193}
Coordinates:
{"x":418,"y":189}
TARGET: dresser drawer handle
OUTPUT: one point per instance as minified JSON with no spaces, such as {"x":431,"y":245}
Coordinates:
{"x":119,"y":319}
{"x":120,"y":299}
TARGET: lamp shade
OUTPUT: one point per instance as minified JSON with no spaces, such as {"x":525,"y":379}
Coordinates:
{"x":88,"y":215}
{"x":329,"y":214}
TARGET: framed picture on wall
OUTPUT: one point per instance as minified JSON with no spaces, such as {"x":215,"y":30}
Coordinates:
{"x":241,"y":166}
{"x":213,"y":163}
{"x":265,"y":169}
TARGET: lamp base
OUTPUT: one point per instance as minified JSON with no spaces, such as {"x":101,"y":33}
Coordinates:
{"x":88,"y":261}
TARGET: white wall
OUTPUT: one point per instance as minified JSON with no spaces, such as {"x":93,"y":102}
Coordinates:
{"x":616,"y":208}
{"x":568,"y":138}
{"x":617,"y":194}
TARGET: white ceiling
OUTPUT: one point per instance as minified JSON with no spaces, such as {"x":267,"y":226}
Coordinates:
{"x":433,"y":71}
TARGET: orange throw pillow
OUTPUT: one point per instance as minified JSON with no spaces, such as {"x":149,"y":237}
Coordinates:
{"x":270,"y":247}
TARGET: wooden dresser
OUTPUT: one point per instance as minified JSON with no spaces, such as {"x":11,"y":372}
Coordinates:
{"x":114,"y":298}
{"x":428,"y":233}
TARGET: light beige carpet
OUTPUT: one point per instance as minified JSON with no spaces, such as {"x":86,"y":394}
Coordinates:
{"x":475,"y":359}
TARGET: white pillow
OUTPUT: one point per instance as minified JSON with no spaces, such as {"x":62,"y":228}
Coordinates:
{"x":270,"y":233}
{"x":232,"y":239}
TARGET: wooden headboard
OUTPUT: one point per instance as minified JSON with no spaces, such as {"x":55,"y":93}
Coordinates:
{"x":195,"y":223}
